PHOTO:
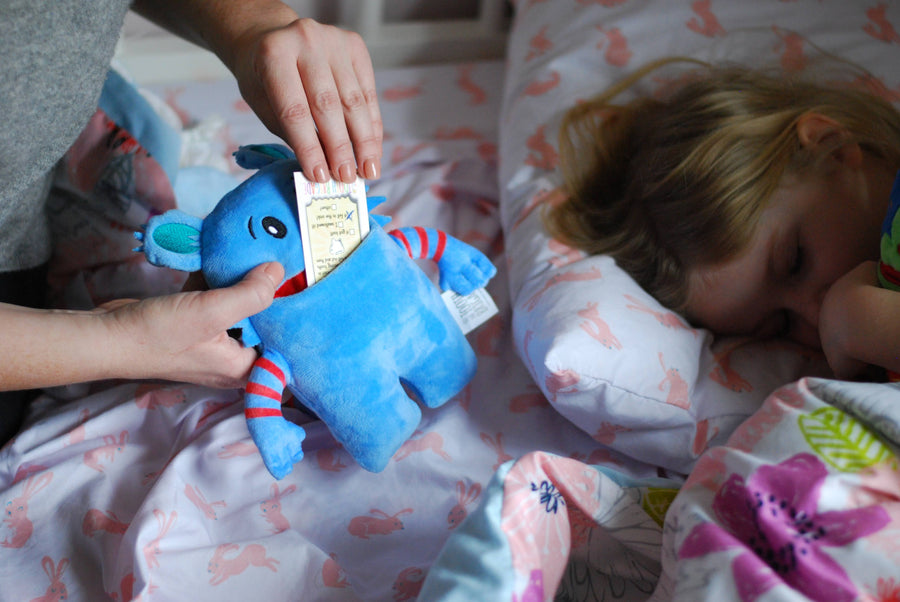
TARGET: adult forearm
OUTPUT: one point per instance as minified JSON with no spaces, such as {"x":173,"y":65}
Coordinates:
{"x":44,"y":348}
{"x":181,"y":337}
{"x":217,"y":25}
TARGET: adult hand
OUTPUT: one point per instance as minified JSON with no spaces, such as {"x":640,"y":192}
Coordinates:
{"x":183,"y":337}
{"x":310,"y":84}
{"x":313,"y":85}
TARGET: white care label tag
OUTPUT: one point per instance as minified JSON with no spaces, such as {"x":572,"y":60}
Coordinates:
{"x":334,"y":218}
{"x":470,"y":311}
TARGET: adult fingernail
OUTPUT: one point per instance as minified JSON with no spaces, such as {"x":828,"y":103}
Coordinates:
{"x":370,"y":169}
{"x":320,"y":174}
{"x":346,"y":174}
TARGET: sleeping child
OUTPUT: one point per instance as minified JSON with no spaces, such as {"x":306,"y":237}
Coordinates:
{"x":750,"y":201}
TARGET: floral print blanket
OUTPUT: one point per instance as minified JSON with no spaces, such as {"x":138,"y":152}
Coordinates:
{"x":802,"y":502}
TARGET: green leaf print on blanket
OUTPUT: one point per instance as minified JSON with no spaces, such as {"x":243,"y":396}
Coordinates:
{"x":841,"y":440}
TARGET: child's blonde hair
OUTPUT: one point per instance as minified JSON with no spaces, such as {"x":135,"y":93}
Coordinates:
{"x":665,"y":186}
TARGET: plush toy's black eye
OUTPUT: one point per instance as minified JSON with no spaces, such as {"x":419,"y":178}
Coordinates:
{"x":274,"y":227}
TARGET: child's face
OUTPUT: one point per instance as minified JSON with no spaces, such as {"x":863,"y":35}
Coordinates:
{"x":813,"y":232}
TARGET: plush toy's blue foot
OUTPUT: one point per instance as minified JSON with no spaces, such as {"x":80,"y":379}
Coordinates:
{"x":280,"y":443}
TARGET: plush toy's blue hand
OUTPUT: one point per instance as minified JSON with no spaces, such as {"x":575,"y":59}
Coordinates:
{"x":280,"y":444}
{"x":464,"y":268}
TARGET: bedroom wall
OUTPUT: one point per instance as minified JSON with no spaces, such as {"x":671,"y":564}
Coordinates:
{"x":397,"y":32}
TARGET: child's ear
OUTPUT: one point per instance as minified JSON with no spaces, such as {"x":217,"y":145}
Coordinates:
{"x":819,"y":133}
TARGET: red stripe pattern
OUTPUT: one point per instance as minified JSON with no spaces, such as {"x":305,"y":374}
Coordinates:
{"x":261,"y":412}
{"x":423,"y":242}
{"x":441,"y":243}
{"x":424,"y":239}
{"x":402,"y":238}
{"x":263,"y":391}
{"x":272,"y":368}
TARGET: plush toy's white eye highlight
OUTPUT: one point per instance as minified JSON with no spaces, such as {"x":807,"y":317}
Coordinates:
{"x":274,"y":227}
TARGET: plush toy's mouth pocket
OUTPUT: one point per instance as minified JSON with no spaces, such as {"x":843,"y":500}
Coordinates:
{"x":292,"y":286}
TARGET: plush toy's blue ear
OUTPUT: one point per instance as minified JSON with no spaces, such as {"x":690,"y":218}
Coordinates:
{"x":256,"y":156}
{"x":172,"y":240}
{"x":375,"y":201}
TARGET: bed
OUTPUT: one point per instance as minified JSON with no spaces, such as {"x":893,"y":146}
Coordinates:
{"x":604,"y":449}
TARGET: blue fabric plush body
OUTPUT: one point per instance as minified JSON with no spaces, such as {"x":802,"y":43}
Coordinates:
{"x":346,"y":346}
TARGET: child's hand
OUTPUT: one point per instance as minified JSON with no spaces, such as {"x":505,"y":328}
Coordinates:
{"x":183,"y":337}
{"x":850,"y":318}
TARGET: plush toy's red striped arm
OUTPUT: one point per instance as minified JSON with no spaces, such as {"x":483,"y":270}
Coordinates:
{"x":279,"y":441}
{"x":264,"y":390}
{"x":463,"y":267}
{"x":421,"y":243}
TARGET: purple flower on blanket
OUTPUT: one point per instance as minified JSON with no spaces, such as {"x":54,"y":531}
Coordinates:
{"x":774,"y":517}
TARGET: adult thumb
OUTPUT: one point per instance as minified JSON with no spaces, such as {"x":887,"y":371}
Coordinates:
{"x":253,"y":294}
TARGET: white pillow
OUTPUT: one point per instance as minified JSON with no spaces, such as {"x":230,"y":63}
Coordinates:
{"x":605,"y":353}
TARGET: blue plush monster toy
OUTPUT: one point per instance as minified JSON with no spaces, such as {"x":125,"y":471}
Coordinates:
{"x":346,"y":346}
